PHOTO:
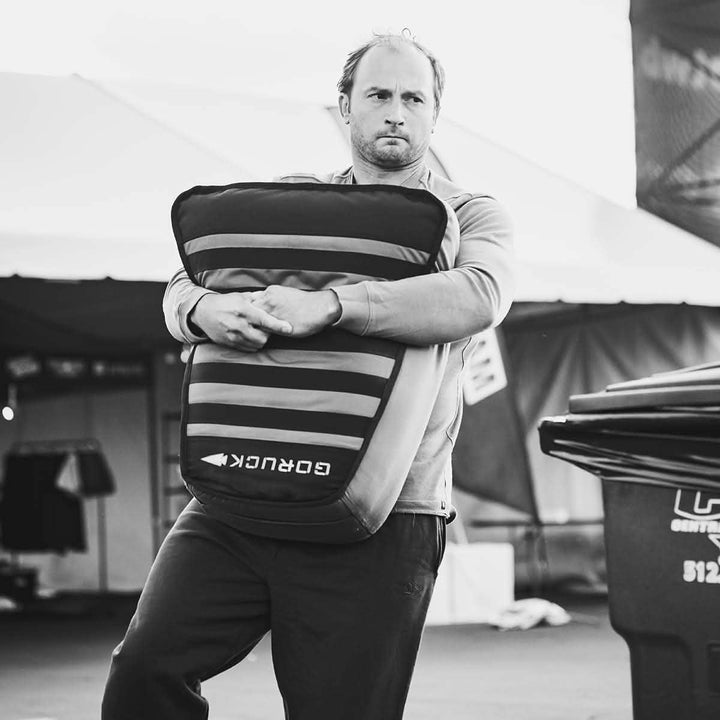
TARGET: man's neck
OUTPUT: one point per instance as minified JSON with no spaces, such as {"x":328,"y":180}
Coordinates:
{"x":409,"y":176}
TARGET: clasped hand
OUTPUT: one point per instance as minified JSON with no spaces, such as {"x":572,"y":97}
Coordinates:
{"x":245,"y":321}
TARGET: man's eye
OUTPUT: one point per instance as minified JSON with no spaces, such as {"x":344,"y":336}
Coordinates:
{"x":417,"y":100}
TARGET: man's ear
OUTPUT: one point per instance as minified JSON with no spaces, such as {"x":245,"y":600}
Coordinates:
{"x":344,"y":107}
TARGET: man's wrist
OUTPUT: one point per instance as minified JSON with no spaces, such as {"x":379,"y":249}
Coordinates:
{"x":194,"y":328}
{"x":334,"y":307}
{"x":192,"y":318}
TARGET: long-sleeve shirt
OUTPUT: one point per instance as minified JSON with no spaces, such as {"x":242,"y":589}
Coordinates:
{"x":450,"y":306}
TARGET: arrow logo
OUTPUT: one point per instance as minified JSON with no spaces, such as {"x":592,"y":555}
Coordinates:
{"x":220,"y":460}
{"x":714,"y":538}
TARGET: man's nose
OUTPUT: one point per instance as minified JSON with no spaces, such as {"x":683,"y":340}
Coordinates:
{"x":395,"y":112}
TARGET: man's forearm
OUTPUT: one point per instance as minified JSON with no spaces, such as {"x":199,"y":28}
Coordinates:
{"x":445,"y":306}
{"x":425,"y":310}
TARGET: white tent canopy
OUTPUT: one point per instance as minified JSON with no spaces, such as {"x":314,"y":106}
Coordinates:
{"x":87,"y":182}
{"x":574,"y":245}
{"x":91,"y":169}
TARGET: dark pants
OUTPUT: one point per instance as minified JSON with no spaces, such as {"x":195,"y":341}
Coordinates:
{"x":346,"y":620}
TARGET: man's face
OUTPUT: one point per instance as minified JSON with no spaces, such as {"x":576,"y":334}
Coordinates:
{"x":391,"y":106}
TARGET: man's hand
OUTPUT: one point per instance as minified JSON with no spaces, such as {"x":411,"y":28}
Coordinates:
{"x":307,"y":311}
{"x":232,"y":319}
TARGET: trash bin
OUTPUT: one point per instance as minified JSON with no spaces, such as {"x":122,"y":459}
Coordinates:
{"x":655,"y":443}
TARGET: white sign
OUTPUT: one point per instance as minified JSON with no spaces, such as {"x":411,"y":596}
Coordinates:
{"x":485,"y":374}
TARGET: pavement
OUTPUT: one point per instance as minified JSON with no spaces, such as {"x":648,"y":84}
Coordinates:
{"x":54,"y":659}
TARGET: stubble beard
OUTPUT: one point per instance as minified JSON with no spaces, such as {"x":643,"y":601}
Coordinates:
{"x":388,"y":157}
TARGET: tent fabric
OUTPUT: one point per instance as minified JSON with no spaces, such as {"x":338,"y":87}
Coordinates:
{"x":267,"y":136}
{"x":88,"y":182}
{"x":119,"y":318}
{"x":93,"y":167}
{"x":575,"y":246}
{"x":584,"y":353}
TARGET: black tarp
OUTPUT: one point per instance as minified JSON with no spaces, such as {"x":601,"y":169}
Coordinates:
{"x":76,"y":317}
{"x":490,"y":459}
{"x":58,"y":335}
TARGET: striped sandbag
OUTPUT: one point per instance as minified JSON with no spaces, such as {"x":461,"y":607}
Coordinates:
{"x":309,"y":438}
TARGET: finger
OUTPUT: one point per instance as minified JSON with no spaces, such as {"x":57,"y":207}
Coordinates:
{"x":258,"y":317}
{"x":261,"y":302}
{"x":253,"y":337}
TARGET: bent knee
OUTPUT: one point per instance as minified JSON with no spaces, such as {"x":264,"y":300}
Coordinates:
{"x":145,"y":683}
{"x":141,"y":664}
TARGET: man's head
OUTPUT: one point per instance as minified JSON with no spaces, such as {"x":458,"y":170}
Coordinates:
{"x":390,"y":94}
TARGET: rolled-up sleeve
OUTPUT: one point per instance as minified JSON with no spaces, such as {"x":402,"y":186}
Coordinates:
{"x":181,"y":297}
{"x":473,"y":295}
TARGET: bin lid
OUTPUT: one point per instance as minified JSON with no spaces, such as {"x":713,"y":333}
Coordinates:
{"x":661,"y":430}
{"x":695,"y":387}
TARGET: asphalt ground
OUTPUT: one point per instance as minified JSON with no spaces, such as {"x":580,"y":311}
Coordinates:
{"x":53,"y":663}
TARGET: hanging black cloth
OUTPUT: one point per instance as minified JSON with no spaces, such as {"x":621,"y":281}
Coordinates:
{"x":36,"y":515}
{"x":95,"y":476}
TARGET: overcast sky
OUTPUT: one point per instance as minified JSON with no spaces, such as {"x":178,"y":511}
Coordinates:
{"x":550,"y":79}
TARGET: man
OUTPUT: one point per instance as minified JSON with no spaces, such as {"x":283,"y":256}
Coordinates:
{"x":346,"y":620}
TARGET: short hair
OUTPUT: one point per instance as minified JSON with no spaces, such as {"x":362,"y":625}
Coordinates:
{"x":345,"y":84}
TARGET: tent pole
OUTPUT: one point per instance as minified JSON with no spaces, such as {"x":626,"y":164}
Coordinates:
{"x":153,"y":454}
{"x":535,"y":535}
{"x":102,"y":542}
{"x":102,"y":546}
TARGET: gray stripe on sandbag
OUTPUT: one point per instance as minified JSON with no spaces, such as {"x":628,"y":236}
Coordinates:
{"x":307,"y":242}
{"x":274,"y":435}
{"x":259,"y":277}
{"x":364,"y":363}
{"x":293,"y":399}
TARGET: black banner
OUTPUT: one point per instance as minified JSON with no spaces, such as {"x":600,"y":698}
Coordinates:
{"x":490,"y":460}
{"x":676,"y":60}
